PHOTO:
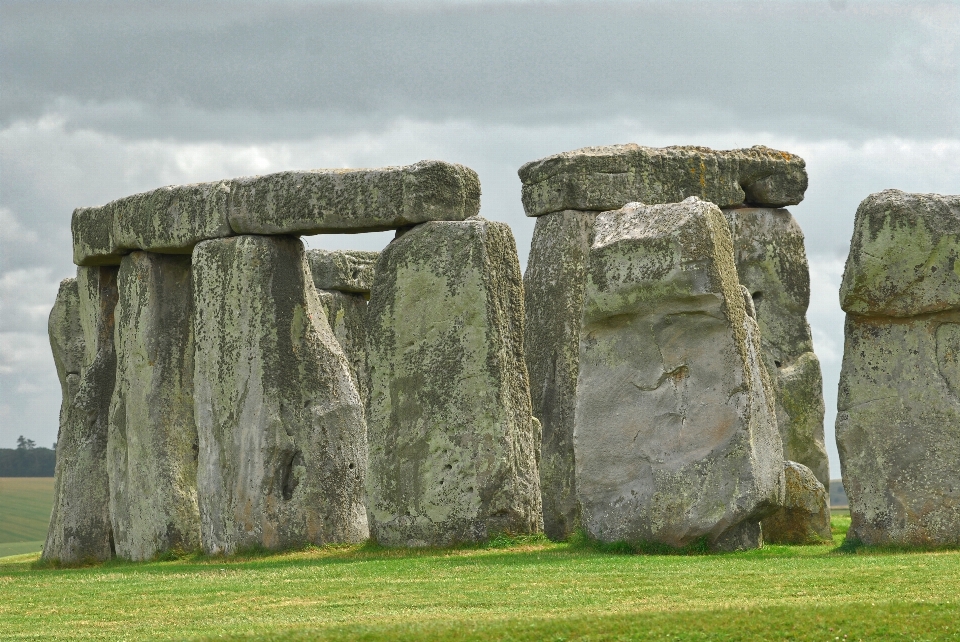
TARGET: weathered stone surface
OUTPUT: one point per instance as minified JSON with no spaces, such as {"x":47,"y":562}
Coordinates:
{"x":353,"y":200}
{"x":342,"y":270}
{"x":66,"y":338}
{"x":903,"y":255}
{"x":898,"y":428}
{"x":93,"y":243}
{"x":453,"y":443}
{"x":675,"y":429}
{"x":80,"y":522}
{"x":553,"y":299}
{"x":152,"y":445}
{"x":281,"y":429}
{"x":347,"y":315}
{"x":606,"y":178}
{"x":171,"y":219}
{"x":772,"y":264}
{"x":804,"y":517}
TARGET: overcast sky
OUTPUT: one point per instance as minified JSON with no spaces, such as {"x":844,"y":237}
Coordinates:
{"x":100,"y":100}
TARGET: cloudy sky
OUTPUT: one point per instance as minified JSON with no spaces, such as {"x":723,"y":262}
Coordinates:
{"x":101,"y":100}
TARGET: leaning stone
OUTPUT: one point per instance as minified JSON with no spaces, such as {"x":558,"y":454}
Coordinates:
{"x":804,"y":517}
{"x":553,"y":299}
{"x":66,"y":338}
{"x":453,"y":443}
{"x":281,"y":430}
{"x":353,"y":200}
{"x":606,"y":178}
{"x":904,"y":255}
{"x":171,"y":220}
{"x":342,"y":270}
{"x":347,"y":314}
{"x":93,"y":236}
{"x":152,"y":445}
{"x":80,"y":522}
{"x":772,"y":264}
{"x":675,"y":432}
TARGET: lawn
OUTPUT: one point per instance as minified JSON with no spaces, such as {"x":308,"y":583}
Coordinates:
{"x":531,"y":590}
{"x":25,"y":504}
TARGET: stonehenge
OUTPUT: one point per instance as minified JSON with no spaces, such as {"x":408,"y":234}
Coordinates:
{"x":898,"y":419}
{"x":804,"y":517}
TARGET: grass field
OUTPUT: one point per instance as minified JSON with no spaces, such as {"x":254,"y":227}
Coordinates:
{"x":25,"y":504}
{"x":531,"y":590}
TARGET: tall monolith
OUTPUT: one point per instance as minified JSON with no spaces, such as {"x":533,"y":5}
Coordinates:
{"x":453,"y":443}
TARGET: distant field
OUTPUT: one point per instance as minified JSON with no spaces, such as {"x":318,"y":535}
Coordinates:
{"x":524,"y":590}
{"x":25,"y":504}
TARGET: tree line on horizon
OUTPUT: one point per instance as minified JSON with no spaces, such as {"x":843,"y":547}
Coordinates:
{"x":28,"y":460}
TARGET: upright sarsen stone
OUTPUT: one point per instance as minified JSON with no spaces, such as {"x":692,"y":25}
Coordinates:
{"x":675,"y":429}
{"x":772,"y":264}
{"x":80,"y":522}
{"x":453,"y":443}
{"x":281,"y":429}
{"x":553,"y":299}
{"x":152,"y":447}
{"x":347,"y":315}
{"x":898,"y":419}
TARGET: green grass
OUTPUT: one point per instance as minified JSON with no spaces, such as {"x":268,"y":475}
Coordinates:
{"x":25,"y":504}
{"x":513,"y":590}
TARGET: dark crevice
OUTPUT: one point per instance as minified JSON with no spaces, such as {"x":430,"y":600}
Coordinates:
{"x":291,"y":480}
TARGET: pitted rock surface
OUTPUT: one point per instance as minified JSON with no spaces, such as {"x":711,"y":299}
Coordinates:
{"x":606,"y":178}
{"x":280,"y":423}
{"x":453,"y":443}
{"x":80,"y":528}
{"x":152,"y":446}
{"x":675,"y":430}
{"x":805,"y":515}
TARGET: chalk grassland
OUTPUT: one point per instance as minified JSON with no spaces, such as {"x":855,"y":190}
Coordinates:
{"x":25,"y":504}
{"x":528,"y":590}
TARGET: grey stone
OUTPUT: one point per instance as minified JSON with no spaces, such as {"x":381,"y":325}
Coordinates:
{"x":553,"y":300}
{"x":606,"y":178}
{"x":66,"y":338}
{"x":342,"y":270}
{"x":804,"y":517}
{"x":281,"y":428}
{"x":347,"y":314}
{"x":453,"y":443}
{"x":903,"y":255}
{"x":675,"y":432}
{"x":353,"y":200}
{"x":152,"y":445}
{"x":93,"y":238}
{"x":80,"y":521}
{"x":772,"y":264}
{"x":171,"y":219}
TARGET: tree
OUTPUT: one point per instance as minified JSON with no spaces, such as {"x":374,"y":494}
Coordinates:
{"x":25,"y":444}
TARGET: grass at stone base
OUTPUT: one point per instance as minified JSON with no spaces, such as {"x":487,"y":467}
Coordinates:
{"x":521,"y":590}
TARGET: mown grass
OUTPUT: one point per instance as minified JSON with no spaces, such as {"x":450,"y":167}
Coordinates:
{"x":25,"y":504}
{"x":512,"y":590}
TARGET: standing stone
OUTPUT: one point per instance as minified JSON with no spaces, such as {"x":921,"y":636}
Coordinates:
{"x":553,"y":299}
{"x":772,"y":264}
{"x":804,"y":517}
{"x":898,"y":420}
{"x":80,"y":522}
{"x":453,"y":443}
{"x":281,"y":429}
{"x":152,"y":447}
{"x":343,"y":270}
{"x":675,"y":432}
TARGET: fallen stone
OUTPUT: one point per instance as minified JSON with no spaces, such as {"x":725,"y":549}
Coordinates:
{"x":606,"y":178}
{"x":898,"y":419}
{"x":453,"y":443}
{"x":347,"y":314}
{"x":173,"y":219}
{"x":772,"y":264}
{"x":903,"y":255}
{"x":675,"y":432}
{"x":152,"y":445}
{"x":342,"y":270}
{"x":353,"y":200}
{"x":93,"y":238}
{"x":804,"y":517}
{"x":281,"y":429}
{"x":553,"y":299}
{"x":79,"y":528}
